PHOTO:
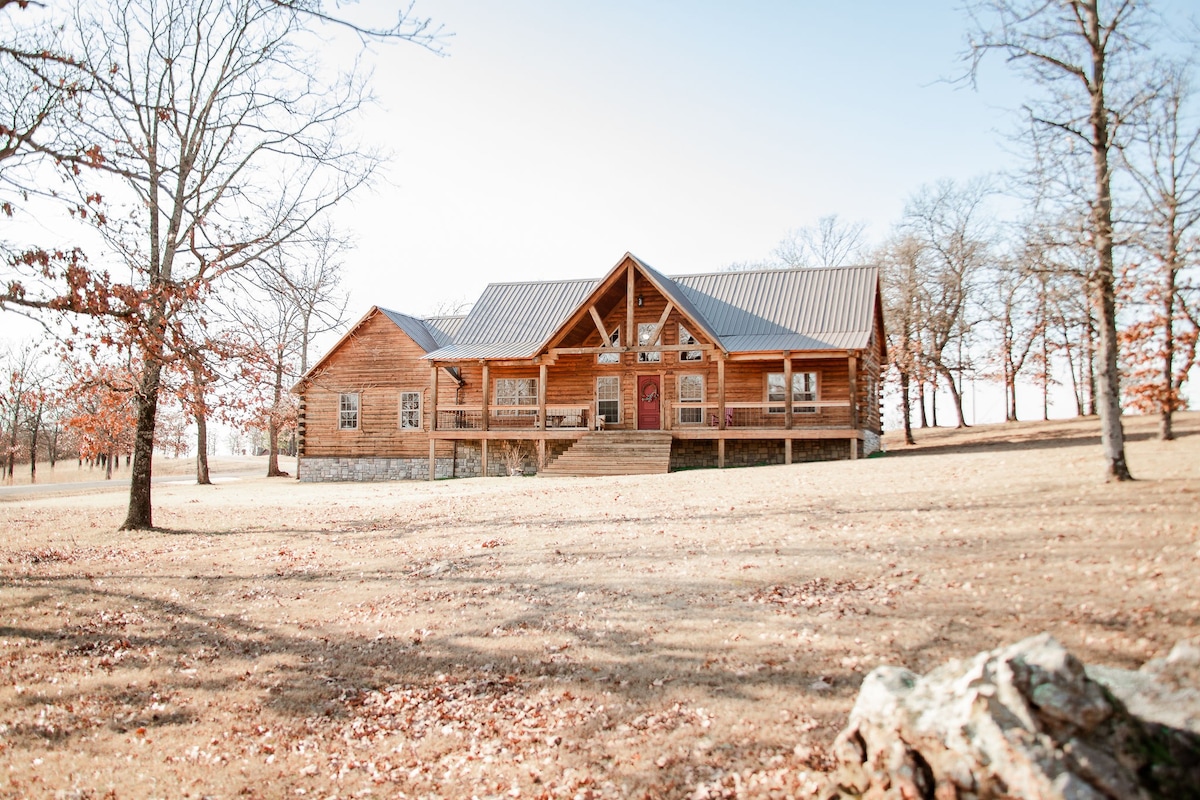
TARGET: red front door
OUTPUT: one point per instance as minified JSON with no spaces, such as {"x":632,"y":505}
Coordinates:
{"x":649,"y":399}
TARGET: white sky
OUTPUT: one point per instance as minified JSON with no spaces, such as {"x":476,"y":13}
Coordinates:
{"x":557,"y":136}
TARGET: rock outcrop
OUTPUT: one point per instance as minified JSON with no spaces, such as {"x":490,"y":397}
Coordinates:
{"x":1024,"y":721}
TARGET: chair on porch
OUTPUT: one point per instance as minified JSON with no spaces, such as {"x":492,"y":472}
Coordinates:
{"x":712,"y":420}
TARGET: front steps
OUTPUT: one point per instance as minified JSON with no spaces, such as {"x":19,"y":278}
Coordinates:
{"x":614,"y":453}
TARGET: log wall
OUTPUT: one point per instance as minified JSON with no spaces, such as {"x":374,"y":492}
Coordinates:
{"x":377,"y":361}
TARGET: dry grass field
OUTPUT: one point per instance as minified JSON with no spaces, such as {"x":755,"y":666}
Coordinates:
{"x":696,"y":634}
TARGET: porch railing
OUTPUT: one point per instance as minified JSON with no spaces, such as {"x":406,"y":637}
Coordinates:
{"x":760,"y":416}
{"x":518,"y":417}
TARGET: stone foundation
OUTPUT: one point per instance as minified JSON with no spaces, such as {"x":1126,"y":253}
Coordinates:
{"x":314,"y":470}
{"x":702,"y":453}
{"x":467,"y":462}
{"x":685,"y":454}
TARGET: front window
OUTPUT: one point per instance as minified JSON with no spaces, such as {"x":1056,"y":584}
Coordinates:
{"x":347,"y":412}
{"x":686,"y":337}
{"x":691,"y":390}
{"x":614,"y":339}
{"x":516,"y":392}
{"x":608,"y":399}
{"x":410,"y":411}
{"x":804,"y":389}
{"x":645,"y":331}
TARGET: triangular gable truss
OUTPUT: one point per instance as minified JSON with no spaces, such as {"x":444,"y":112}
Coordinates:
{"x":626,"y":269}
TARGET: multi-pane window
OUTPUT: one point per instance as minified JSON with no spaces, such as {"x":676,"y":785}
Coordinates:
{"x":347,"y":412}
{"x":410,"y":411}
{"x":614,"y":339}
{"x":645,"y":331}
{"x":685,"y":337}
{"x":691,"y":390}
{"x":804,"y":389}
{"x":608,"y":399}
{"x":516,"y":392}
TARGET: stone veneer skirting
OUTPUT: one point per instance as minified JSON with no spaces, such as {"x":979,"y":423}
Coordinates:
{"x":466,"y":462}
{"x":467,"y":459}
{"x":317,"y":469}
{"x":701,"y":453}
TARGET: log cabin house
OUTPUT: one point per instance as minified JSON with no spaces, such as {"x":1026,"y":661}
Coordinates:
{"x":635,"y":372}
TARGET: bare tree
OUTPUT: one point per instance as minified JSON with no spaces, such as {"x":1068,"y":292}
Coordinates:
{"x":832,"y":242}
{"x":903,"y":299}
{"x":226,"y":138}
{"x":1164,"y":160}
{"x":949,"y":223}
{"x":1017,"y":312}
{"x":293,"y":298}
{"x":1081,"y":54}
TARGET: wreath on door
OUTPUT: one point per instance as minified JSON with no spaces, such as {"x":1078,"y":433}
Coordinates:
{"x":651,"y":394}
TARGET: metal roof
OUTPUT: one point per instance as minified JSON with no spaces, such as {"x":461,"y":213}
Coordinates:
{"x":445,"y":328}
{"x":757,"y":309}
{"x":824,"y":308}
{"x":511,"y":320}
{"x":457,"y":352}
{"x":417,"y":330}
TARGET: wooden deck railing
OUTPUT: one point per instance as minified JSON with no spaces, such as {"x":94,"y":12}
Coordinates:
{"x":738,"y":416}
{"x":762,"y":416}
{"x":523,"y":417}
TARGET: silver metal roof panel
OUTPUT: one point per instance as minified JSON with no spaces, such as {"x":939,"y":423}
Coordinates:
{"x":520,"y":312}
{"x":416,"y":329}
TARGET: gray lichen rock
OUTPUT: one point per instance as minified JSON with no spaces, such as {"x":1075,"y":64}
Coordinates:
{"x":1024,"y":721}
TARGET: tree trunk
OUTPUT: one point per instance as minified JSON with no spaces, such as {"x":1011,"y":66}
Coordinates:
{"x":921,"y":401}
{"x":933,"y":385}
{"x":1012,"y":399}
{"x":1108,"y":379}
{"x":34,"y":425}
{"x":140,"y":515}
{"x":1165,"y":432}
{"x":956,"y":396}
{"x":1089,"y":333}
{"x":906,"y":407}
{"x":108,"y":464}
{"x":273,"y":470}
{"x":202,"y":477}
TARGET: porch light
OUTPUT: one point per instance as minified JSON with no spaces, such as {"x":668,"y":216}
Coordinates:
{"x":640,"y":301}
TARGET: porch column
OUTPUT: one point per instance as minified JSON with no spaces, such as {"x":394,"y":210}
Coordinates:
{"x":542,"y":397}
{"x":433,"y":397}
{"x":720,"y":410}
{"x":433,"y":394}
{"x":483,"y":425}
{"x":788,"y":410}
{"x":721,"y":393}
{"x":631,"y":337}
{"x":787,"y":451}
{"x":853,"y":371}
